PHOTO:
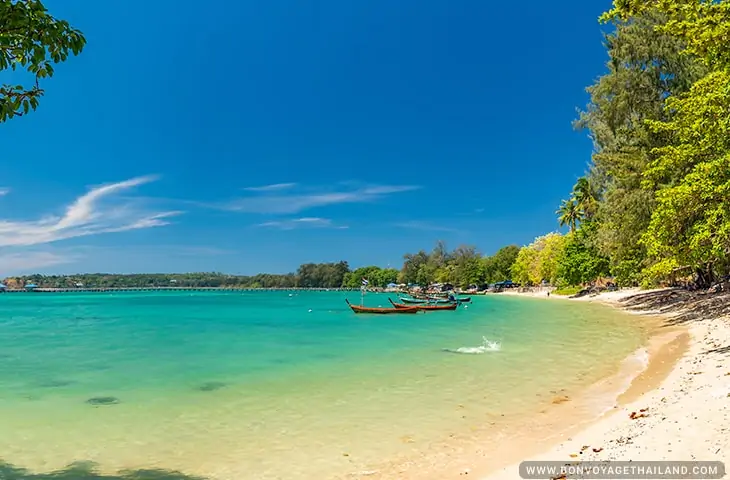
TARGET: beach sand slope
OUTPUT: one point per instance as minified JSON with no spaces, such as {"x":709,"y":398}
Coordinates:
{"x":684,"y":419}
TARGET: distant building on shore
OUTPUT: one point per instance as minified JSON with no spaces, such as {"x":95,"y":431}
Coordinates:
{"x":31,"y":286}
{"x":2,"y":287}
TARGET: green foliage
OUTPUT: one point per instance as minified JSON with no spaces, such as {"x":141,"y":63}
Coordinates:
{"x":572,"y":290}
{"x":582,"y":205}
{"x":376,"y":276}
{"x":462,"y":267}
{"x":569,"y":214}
{"x":30,"y":38}
{"x":540,"y":260}
{"x":498,"y":267}
{"x":413,"y":264}
{"x":659,"y":123}
{"x":698,"y":130}
{"x":689,"y":173}
{"x":703,"y":24}
{"x":553,"y":247}
{"x":196,"y":280}
{"x":467,"y":267}
{"x":691,"y":224}
{"x":645,"y":67}
{"x":581,"y":262}
{"x":586,"y":197}
{"x":524,"y":271}
{"x":322,"y":275}
{"x":627,"y":271}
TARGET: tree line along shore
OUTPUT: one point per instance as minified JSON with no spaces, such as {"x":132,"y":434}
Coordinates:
{"x":462,"y":268}
{"x":651,"y":210}
{"x":654,"y":206}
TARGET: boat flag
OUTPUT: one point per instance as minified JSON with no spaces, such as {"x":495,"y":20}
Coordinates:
{"x":365,"y":282}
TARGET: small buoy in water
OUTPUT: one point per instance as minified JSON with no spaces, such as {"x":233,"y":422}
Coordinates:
{"x":310,"y":310}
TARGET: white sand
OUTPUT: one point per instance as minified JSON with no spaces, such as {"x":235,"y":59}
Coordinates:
{"x":687,"y":416}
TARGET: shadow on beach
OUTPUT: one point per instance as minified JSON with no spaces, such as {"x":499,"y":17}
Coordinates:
{"x":684,"y":307}
{"x":87,"y":471}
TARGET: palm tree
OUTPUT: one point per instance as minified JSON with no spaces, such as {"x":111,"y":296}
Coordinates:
{"x":569,"y":213}
{"x":586,"y":197}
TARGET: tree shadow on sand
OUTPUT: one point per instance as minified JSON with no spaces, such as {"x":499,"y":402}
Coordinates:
{"x":683,"y":306}
{"x":87,"y":471}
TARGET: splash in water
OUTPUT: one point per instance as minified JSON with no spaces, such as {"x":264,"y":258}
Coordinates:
{"x":486,"y":346}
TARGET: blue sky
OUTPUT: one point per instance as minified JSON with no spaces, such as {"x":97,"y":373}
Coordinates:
{"x":255,"y":136}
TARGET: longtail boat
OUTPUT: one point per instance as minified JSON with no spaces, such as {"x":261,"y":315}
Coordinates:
{"x":446,"y":299}
{"x":426,"y":307}
{"x":445,"y":296}
{"x":439,"y":295}
{"x":419,"y":301}
{"x":380,"y":310}
{"x":434,"y":301}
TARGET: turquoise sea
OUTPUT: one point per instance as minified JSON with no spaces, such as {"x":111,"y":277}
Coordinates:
{"x":285,"y":385}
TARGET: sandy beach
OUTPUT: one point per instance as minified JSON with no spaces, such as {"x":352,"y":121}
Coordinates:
{"x":683,"y":416}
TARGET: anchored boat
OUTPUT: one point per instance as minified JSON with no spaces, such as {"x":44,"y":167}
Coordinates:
{"x":380,"y":310}
{"x":424,"y":307}
{"x":420,"y":301}
{"x":434,"y":301}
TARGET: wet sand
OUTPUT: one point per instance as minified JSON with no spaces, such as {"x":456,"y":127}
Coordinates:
{"x":676,"y":410}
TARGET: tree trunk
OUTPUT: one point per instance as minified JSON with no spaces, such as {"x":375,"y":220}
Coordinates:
{"x":705,"y":277}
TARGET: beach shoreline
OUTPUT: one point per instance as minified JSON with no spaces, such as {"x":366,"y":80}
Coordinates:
{"x":565,"y":415}
{"x":678,"y":415}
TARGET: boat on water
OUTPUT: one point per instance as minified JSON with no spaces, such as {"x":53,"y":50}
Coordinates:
{"x":380,"y":310}
{"x":448,"y":296}
{"x":434,"y":301}
{"x":424,"y":301}
{"x":425,"y":307}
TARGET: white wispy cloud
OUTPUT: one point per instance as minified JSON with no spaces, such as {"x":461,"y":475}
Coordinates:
{"x":93,"y":213}
{"x":4,"y":191}
{"x":426,"y":226}
{"x":20,"y":263}
{"x":71,"y":259}
{"x":271,"y":188}
{"x":305,"y":222}
{"x":295,"y":202}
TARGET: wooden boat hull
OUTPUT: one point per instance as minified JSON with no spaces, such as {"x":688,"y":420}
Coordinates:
{"x":381,"y":311}
{"x":427,"y":308}
{"x":437,"y":301}
{"x":418,"y":301}
{"x":446,"y":299}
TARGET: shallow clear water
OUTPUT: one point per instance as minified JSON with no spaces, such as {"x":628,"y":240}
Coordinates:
{"x":277,"y":385}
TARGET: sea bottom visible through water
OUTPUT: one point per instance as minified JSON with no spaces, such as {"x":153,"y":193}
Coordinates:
{"x":291,"y":385}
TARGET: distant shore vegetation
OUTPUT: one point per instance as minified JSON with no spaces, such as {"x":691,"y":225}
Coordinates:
{"x":463,"y":267}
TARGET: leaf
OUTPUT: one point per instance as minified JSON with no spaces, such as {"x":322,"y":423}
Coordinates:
{"x":44,"y":41}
